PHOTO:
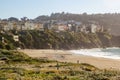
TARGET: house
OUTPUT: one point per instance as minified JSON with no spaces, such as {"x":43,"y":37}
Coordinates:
{"x":2,"y":39}
{"x":10,"y":26}
{"x":47,"y":26}
{"x":29,"y":25}
{"x":54,"y":27}
{"x":6,"y":28}
{"x":39,"y":26}
{"x":100,"y":28}
{"x":83,"y":28}
{"x":18,"y":26}
{"x":93,"y":28}
{"x":96,"y":28}
{"x":15,"y":38}
{"x":73,"y":26}
{"x":62,"y":27}
{"x":59,"y":26}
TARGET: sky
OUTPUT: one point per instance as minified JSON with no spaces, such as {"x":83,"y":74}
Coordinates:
{"x":35,"y":8}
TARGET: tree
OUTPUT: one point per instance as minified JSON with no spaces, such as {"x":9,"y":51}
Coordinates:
{"x":13,"y":19}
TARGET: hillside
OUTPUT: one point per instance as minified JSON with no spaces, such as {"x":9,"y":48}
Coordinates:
{"x":108,"y":21}
{"x":63,"y":40}
{"x":16,"y":65}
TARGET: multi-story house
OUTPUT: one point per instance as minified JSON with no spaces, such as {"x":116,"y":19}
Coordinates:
{"x":74,"y":26}
{"x":83,"y":29}
{"x":62,"y":27}
{"x":10,"y":26}
{"x":71,"y":25}
{"x":59,"y":26}
{"x":93,"y":28}
{"x":29,"y":25}
{"x":39,"y":26}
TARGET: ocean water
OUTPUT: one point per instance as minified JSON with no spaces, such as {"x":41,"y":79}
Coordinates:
{"x":112,"y":53}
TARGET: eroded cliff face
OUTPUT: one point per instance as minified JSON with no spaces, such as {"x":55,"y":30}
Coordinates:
{"x":115,"y":41}
{"x":62,"y":40}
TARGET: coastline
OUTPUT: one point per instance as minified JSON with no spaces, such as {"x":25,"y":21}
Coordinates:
{"x":67,"y":56}
{"x":109,"y":53}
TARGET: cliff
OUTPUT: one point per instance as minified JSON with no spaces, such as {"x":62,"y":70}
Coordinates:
{"x":62,"y":40}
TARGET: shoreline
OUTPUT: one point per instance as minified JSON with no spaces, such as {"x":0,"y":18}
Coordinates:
{"x":67,"y":56}
{"x":99,"y":52}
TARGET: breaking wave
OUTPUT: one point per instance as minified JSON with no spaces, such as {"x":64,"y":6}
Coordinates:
{"x":112,"y":53}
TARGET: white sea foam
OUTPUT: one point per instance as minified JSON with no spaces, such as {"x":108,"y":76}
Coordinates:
{"x":112,"y":53}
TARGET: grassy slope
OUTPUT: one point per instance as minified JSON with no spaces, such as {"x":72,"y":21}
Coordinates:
{"x":18,"y":66}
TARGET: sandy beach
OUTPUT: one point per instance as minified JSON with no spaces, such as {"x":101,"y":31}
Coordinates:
{"x":67,"y":56}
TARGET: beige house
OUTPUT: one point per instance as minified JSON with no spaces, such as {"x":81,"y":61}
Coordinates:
{"x":29,"y":26}
{"x":8,"y":26}
{"x":62,"y":27}
{"x":39,"y":26}
{"x":16,"y":38}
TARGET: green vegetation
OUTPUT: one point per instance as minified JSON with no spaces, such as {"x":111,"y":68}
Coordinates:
{"x":12,"y":56}
{"x":15,"y":65}
{"x":49,"y":39}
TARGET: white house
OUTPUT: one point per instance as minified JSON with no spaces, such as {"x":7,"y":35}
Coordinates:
{"x":93,"y":28}
{"x":16,"y":38}
{"x":29,"y":26}
{"x":8,"y":26}
{"x":83,"y":28}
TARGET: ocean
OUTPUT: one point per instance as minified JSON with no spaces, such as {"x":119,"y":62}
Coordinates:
{"x":112,"y":53}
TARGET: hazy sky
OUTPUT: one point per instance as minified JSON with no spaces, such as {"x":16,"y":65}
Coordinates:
{"x":34,"y":8}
